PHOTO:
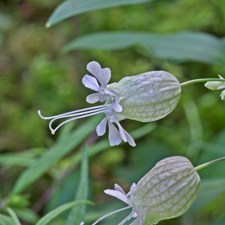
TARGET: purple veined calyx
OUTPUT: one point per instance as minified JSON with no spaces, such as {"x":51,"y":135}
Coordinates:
{"x":145,"y":97}
{"x":167,"y":191}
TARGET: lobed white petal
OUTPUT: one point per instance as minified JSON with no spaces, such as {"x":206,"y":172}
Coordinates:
{"x":90,"y":82}
{"x":221,"y":87}
{"x":104,"y":76}
{"x":94,"y":67}
{"x":93,"y":98}
{"x":117,"y":194}
{"x":121,"y":130}
{"x":118,"y":188}
{"x":116,"y":106}
{"x":101,"y":128}
{"x":114,"y":135}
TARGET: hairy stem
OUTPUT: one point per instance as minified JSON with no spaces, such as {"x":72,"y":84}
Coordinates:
{"x":201,"y":80}
{"x":209,"y":163}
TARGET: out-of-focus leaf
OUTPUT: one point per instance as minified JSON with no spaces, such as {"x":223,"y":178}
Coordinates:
{"x":20,"y":159}
{"x":55,"y":153}
{"x":75,"y":7}
{"x":13,"y":216}
{"x":195,"y":125}
{"x":76,"y":215}
{"x":53,"y":214}
{"x":5,"y":220}
{"x":103,"y":145}
{"x":209,"y":190}
{"x":27,"y":215}
{"x":182,"y":46}
{"x":217,"y":222}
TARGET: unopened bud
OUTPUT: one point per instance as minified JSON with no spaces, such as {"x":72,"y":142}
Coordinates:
{"x":222,"y":95}
{"x":213,"y":85}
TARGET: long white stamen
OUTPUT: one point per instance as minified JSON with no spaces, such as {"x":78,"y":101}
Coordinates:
{"x":75,"y":118}
{"x":109,"y":214}
{"x":76,"y":111}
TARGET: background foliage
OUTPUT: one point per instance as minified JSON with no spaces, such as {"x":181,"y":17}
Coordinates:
{"x":42,"y":69}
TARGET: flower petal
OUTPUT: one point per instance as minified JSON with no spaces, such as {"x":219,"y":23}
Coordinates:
{"x":101,"y":128}
{"x":127,"y":218}
{"x":90,"y":82}
{"x":116,"y":106}
{"x":118,"y":188}
{"x":130,"y":140}
{"x":121,"y":130}
{"x":221,"y":86}
{"x":117,"y":194}
{"x":114,"y":135}
{"x":93,"y":98}
{"x":104,"y":76}
{"x":94,"y":68}
{"x":137,"y":221}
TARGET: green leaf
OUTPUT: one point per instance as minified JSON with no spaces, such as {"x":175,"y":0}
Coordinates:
{"x":13,"y":216}
{"x":75,"y":7}
{"x":54,"y":154}
{"x":182,"y":46}
{"x":209,"y":190}
{"x":103,"y":145}
{"x":25,"y":158}
{"x":26,"y":214}
{"x":76,"y":215}
{"x":5,"y":220}
{"x":54,"y":213}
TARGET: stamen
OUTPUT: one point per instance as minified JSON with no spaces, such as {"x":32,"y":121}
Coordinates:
{"x":76,"y":111}
{"x":75,"y":118}
{"x":109,"y":214}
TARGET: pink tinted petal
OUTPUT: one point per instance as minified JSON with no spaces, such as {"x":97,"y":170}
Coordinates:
{"x":104,"y":76}
{"x":93,"y":98}
{"x":94,"y":68}
{"x":90,"y":82}
{"x":116,"y":106}
{"x":117,"y":194}
{"x":101,"y":128}
{"x":114,"y":135}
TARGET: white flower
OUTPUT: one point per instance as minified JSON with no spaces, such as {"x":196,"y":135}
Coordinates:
{"x":102,"y":76}
{"x":166,"y":191}
{"x":145,"y":97}
{"x":215,"y":85}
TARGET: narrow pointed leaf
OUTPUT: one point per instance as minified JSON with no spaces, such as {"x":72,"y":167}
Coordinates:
{"x":74,"y":7}
{"x":183,"y":46}
{"x":54,"y":213}
{"x":13,"y":216}
{"x":55,"y":153}
{"x":76,"y":215}
{"x":5,"y":220}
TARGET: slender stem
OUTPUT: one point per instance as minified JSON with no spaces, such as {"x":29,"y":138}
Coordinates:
{"x":208,"y":163}
{"x":201,"y":80}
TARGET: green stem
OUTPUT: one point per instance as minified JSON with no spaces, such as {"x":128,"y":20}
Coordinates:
{"x":201,"y":80}
{"x":208,"y":163}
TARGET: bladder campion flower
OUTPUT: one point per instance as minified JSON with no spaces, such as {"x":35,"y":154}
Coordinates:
{"x":166,"y":191}
{"x":145,"y":97}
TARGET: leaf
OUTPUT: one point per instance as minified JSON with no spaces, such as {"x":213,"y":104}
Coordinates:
{"x":76,"y":215}
{"x":75,"y":7}
{"x":13,"y":216}
{"x":20,"y":159}
{"x":54,"y":213}
{"x":209,"y":190}
{"x":183,"y":46}
{"x":54,"y":154}
{"x":103,"y":145}
{"x":5,"y":220}
{"x":26,"y":214}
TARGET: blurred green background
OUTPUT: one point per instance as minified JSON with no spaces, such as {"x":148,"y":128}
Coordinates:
{"x":35,"y":74}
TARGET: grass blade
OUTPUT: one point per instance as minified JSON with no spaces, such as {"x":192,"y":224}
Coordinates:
{"x":13,"y":216}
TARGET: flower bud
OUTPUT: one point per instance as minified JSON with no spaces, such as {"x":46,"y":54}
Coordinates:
{"x":213,"y":85}
{"x":166,"y":191}
{"x":147,"y":97}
